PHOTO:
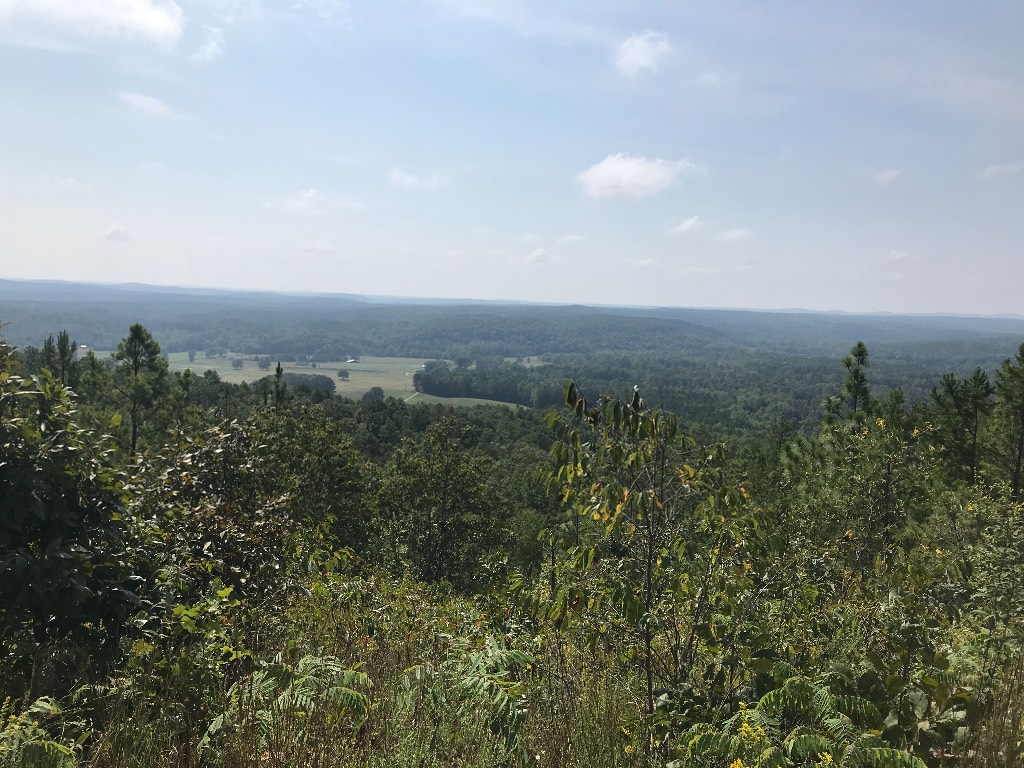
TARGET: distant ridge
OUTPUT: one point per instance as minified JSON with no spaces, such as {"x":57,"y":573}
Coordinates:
{"x":50,"y":289}
{"x":200,"y":318}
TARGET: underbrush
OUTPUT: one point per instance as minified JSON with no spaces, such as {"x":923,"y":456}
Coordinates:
{"x":368,"y":671}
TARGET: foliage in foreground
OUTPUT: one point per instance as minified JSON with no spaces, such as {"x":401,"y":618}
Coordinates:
{"x":261,"y":591}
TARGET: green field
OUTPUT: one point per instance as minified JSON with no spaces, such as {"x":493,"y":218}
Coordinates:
{"x":392,"y":374}
{"x":464,"y":401}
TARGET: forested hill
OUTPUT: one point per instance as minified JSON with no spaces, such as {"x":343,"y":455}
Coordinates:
{"x":734,"y":372}
{"x":330,"y":327}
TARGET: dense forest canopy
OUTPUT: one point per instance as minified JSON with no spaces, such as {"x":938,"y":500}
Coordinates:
{"x":813,"y":561}
{"x":288,"y":324}
{"x":733,"y":372}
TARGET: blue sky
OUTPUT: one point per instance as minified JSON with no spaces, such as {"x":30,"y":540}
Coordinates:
{"x":856,"y":156}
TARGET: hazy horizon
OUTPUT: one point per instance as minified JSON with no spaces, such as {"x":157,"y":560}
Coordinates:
{"x":412,"y":299}
{"x":860,"y":158}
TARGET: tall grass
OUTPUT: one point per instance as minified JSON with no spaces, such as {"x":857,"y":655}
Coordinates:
{"x":1000,"y":741}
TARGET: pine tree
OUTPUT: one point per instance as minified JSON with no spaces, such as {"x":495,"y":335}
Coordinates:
{"x":66,"y":349}
{"x":1009,"y":422}
{"x":856,"y":386}
{"x":141,"y":376}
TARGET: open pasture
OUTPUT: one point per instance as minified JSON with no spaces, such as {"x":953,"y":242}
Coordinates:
{"x":392,"y":374}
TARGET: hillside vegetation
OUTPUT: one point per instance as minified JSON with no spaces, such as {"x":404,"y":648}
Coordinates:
{"x":200,"y":573}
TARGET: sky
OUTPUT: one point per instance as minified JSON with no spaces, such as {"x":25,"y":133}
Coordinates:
{"x":858,"y":156}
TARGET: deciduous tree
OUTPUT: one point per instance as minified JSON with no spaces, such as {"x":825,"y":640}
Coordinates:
{"x":63,"y":561}
{"x":435,"y":512}
{"x":654,"y":535}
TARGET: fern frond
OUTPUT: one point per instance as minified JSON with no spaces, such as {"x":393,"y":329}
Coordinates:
{"x":713,"y":745}
{"x":807,"y":745}
{"x":838,"y":680}
{"x":860,"y":710}
{"x":795,"y":695}
{"x":772,"y":757}
{"x":886,"y":757}
{"x":349,"y":702}
{"x":823,"y":703}
{"x":783,"y":670}
{"x":46,"y":754}
{"x":769,"y":724}
{"x":841,"y":729}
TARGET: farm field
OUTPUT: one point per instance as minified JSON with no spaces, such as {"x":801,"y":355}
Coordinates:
{"x":460,"y":401}
{"x":392,"y":374}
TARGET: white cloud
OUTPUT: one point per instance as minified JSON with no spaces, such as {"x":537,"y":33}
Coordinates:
{"x":158,"y":21}
{"x":475,"y":9}
{"x":150,"y":105}
{"x":307,"y":202}
{"x":319,"y":247}
{"x":566,"y":239}
{"x":691,"y":224}
{"x":532,"y":21}
{"x":70,"y":183}
{"x":641,"y":262}
{"x":714,"y":78}
{"x":212,"y":49}
{"x":723,"y":235}
{"x":896,"y":255}
{"x":744,"y":269}
{"x":311,"y":203}
{"x":734,"y":235}
{"x":698,"y":270}
{"x":1001,"y":171}
{"x":410,"y":181}
{"x":623,"y":175}
{"x":538,"y":255}
{"x":997,"y":94}
{"x":117,"y":233}
{"x":881,"y":177}
{"x":325,"y":10}
{"x":643,"y":51}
